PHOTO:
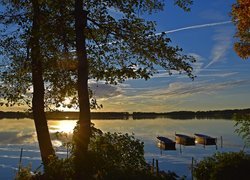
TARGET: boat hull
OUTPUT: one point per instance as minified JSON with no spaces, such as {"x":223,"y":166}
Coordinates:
{"x":184,"y":140}
{"x":205,"y":140}
{"x":165,"y":143}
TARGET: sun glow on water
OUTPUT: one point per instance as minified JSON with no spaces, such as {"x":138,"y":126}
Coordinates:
{"x":66,"y":126}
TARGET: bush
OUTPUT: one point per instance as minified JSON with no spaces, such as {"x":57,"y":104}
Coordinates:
{"x":118,"y":150}
{"x":110,"y":156}
{"x":24,"y":173}
{"x":59,"y":169}
{"x":242,"y":124}
{"x":233,"y":165}
{"x":119,"y":156}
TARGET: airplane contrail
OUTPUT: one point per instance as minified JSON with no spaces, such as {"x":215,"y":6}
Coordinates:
{"x":179,"y":29}
{"x":194,"y":27}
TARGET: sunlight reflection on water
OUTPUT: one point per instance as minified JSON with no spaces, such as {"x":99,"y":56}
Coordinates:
{"x":66,"y":126}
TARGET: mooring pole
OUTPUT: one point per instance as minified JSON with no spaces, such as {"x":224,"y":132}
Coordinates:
{"x":157,"y":167}
{"x":180,"y":149}
{"x":20,"y":160}
{"x":153,"y":166}
{"x":221,"y":142}
{"x":192,"y":168}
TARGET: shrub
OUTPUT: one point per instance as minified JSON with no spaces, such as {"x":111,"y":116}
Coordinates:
{"x":24,"y":173}
{"x":232,"y":165}
{"x":242,"y":124}
{"x":59,"y":169}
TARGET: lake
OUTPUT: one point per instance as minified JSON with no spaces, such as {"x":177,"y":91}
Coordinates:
{"x":16,"y":134}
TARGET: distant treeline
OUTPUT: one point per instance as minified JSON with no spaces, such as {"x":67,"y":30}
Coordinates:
{"x":94,"y":115}
{"x":66,"y":115}
{"x":218,"y":114}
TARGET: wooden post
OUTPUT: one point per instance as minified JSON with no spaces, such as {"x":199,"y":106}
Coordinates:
{"x":20,"y":160}
{"x":192,"y":166}
{"x":221,"y":142}
{"x":216,"y":147}
{"x":157,"y":167}
{"x":180,"y":149}
{"x":67,"y":150}
{"x":153,"y":166}
{"x":244,"y":147}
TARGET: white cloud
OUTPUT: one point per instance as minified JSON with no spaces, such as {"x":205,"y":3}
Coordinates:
{"x":223,"y":40}
{"x":197,"y":66}
{"x":103,"y":91}
{"x":222,"y":75}
{"x":180,"y":90}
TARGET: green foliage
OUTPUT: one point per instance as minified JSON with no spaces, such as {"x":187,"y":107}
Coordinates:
{"x":110,"y":156}
{"x":223,"y":166}
{"x":243,"y":126}
{"x":24,"y":173}
{"x":59,"y":169}
{"x":184,"y":4}
{"x":118,"y":150}
{"x":113,"y":154}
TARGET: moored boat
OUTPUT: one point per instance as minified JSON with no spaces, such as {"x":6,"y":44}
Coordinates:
{"x":165,"y":143}
{"x":184,"y":140}
{"x":205,"y":139}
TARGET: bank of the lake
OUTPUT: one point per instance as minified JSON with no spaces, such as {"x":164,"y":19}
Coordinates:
{"x":215,"y":114}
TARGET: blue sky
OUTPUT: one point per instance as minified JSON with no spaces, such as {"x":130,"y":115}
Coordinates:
{"x":222,"y":77}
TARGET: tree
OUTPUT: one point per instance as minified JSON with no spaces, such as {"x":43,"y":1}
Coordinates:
{"x":115,"y":52}
{"x":82,"y":141}
{"x":118,"y":46}
{"x":32,"y":14}
{"x":43,"y":136}
{"x":241,"y":18}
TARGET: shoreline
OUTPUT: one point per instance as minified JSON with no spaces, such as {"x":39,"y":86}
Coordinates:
{"x":183,"y":115}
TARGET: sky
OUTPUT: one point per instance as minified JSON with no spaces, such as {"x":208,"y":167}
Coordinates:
{"x":222,"y":81}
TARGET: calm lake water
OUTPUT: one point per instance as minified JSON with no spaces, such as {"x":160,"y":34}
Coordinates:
{"x":16,"y":134}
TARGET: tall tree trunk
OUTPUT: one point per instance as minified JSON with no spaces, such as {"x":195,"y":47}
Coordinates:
{"x":41,"y":125}
{"x":83,"y":135}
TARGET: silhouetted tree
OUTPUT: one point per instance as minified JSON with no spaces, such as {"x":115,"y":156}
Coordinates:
{"x":38,"y":86}
{"x":102,"y":40}
{"x":28,"y":35}
{"x":116,"y":52}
